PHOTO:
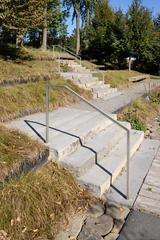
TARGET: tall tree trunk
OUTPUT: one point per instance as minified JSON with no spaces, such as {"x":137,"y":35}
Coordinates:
{"x":44,"y":35}
{"x":19,"y":40}
{"x":77,"y":31}
{"x":87,"y":20}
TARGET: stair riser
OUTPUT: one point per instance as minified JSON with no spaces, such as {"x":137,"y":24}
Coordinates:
{"x":96,"y":157}
{"x":81,"y":70}
{"x":77,"y":76}
{"x":98,"y":191}
{"x":72,"y":147}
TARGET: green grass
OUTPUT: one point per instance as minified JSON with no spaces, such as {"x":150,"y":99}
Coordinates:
{"x":23,"y":99}
{"x":140,"y":112}
{"x":119,"y":78}
{"x":37,"y":205}
{"x":16,"y":148}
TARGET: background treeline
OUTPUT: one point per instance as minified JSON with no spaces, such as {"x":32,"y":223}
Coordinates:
{"x":102,"y":34}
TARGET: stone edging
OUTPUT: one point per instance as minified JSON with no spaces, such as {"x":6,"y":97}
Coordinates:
{"x":29,"y":79}
{"x":100,"y":222}
{"x":26,"y":165}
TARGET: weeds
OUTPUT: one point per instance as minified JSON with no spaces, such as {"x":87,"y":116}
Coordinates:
{"x":141,"y":111}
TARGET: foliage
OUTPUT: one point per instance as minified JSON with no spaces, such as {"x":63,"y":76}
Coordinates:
{"x":20,"y":16}
{"x":107,"y":36}
{"x":140,"y":112}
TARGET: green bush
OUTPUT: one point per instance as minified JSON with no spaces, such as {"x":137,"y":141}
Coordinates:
{"x":137,"y":124}
{"x":9,"y":51}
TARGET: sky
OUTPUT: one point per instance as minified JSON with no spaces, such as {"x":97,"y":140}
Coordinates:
{"x":153,"y":5}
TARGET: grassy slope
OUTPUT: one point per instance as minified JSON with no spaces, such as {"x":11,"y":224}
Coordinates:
{"x":16,"y":148}
{"x":119,"y":78}
{"x":38,"y":204}
{"x":28,"y":98}
{"x":140,"y":111}
{"x":12,"y":70}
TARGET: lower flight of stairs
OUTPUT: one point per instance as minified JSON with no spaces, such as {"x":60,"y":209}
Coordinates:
{"x":86,"y":143}
{"x":84,"y":78}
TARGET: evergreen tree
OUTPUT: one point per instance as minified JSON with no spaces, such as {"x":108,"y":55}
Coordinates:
{"x":19,"y":16}
{"x":77,"y":6}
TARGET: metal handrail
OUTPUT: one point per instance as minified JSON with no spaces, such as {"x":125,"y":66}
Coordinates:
{"x":71,"y":49}
{"x":70,"y":52}
{"x":48,"y":86}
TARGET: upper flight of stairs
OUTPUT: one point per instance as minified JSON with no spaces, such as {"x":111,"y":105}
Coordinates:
{"x":84,"y":78}
{"x":86,"y":143}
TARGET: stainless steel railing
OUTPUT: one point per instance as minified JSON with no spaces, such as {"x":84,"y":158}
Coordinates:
{"x":48,"y":86}
{"x":68,"y":51}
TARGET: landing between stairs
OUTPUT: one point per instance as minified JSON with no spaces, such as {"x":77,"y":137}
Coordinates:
{"x":92,"y":147}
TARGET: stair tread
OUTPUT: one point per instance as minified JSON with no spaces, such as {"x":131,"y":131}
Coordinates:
{"x":58,"y":118}
{"x":100,"y":145}
{"x":61,"y":141}
{"x":80,"y":130}
{"x":100,"y":175}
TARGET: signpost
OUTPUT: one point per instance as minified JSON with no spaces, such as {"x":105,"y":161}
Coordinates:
{"x":130,"y":60}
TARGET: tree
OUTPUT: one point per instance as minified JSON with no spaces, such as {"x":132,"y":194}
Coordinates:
{"x":100,"y":31}
{"x":140,"y":28}
{"x":18,"y":16}
{"x":53,"y":15}
{"x":77,"y":6}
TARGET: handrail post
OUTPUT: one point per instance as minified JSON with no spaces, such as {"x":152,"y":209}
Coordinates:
{"x":128,"y":164}
{"x":47,"y":114}
{"x":103,"y":77}
{"x":53,"y":51}
{"x":59,"y":65}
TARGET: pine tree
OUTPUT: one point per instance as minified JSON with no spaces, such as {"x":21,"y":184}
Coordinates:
{"x":19,"y":16}
{"x":77,"y":6}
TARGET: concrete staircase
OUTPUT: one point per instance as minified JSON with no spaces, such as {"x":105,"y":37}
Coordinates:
{"x":84,"y":78}
{"x":86,"y":143}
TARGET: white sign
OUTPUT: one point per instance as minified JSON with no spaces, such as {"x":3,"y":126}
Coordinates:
{"x":131,"y":59}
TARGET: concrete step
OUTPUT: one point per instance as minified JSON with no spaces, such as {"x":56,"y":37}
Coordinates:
{"x":89,"y":85}
{"x":67,"y":130}
{"x":104,"y":93}
{"x":58,"y":118}
{"x":140,"y":165}
{"x":104,"y":90}
{"x":94,"y":150}
{"x":99,"y":178}
{"x":68,"y":141}
{"x":80,"y":70}
{"x":74,"y":75}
